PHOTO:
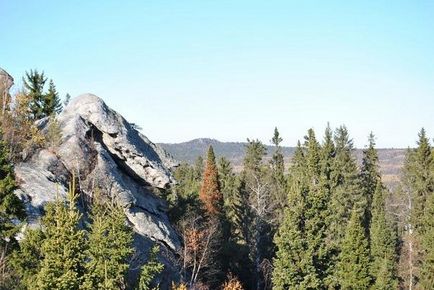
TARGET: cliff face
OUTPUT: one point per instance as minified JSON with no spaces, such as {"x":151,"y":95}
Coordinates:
{"x":6,"y":82}
{"x":103,"y":151}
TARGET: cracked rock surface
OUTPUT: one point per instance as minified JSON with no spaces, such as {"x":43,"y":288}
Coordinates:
{"x":103,"y":150}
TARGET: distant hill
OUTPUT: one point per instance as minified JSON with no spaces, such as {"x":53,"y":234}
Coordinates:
{"x":391,"y":160}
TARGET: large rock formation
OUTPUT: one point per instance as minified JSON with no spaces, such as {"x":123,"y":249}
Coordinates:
{"x":6,"y":82}
{"x":104,"y":151}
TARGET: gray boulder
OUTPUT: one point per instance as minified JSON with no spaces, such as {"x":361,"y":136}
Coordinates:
{"x":103,"y":151}
{"x":6,"y":82}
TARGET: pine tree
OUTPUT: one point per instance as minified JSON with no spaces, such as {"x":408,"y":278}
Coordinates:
{"x":278,"y":180}
{"x":26,"y":261}
{"x":308,"y":220}
{"x":346,"y":195}
{"x":34,"y":83}
{"x":256,"y":193}
{"x":316,"y":213}
{"x":328,"y":152}
{"x":66,"y":100}
{"x":418,"y":185}
{"x":383,"y":243}
{"x":210,"y":193}
{"x":427,"y":245}
{"x":382,"y":233}
{"x":353,"y":266}
{"x":11,"y":211}
{"x":109,"y":247}
{"x":233,"y":202}
{"x":422,"y":177}
{"x":291,"y":260}
{"x":52,"y":104}
{"x":63,"y":248}
{"x":11,"y":206}
{"x":41,"y":104}
{"x":148,"y":271}
{"x":369,"y":176}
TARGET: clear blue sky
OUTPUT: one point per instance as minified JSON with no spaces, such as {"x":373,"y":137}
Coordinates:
{"x":233,"y":70}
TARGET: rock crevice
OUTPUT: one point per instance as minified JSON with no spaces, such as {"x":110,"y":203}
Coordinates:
{"x":103,"y":150}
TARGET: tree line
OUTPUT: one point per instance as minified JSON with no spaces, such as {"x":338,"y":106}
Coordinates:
{"x":325,"y":222}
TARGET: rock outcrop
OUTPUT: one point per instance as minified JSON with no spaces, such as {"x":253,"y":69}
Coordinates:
{"x":6,"y":82}
{"x":103,"y":151}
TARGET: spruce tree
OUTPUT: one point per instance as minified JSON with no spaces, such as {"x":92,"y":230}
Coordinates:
{"x":149,"y":270}
{"x":41,"y":104}
{"x":316,"y":212}
{"x":233,"y":202}
{"x":34,"y":83}
{"x":109,"y":247}
{"x":291,"y":259}
{"x":11,"y":206}
{"x":11,"y":212}
{"x":301,"y":260}
{"x":52,"y":104}
{"x":418,"y":185}
{"x":210,"y":193}
{"x":63,"y":248}
{"x":346,"y":195}
{"x":278,"y":180}
{"x":422,"y":177}
{"x":383,"y":243}
{"x":369,"y":176}
{"x":353,"y":266}
{"x":26,"y":261}
{"x":256,"y":193}
{"x":427,"y":245}
{"x":328,"y":152}
{"x":66,"y":100}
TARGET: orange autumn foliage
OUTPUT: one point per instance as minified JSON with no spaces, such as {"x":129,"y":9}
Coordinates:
{"x":210,"y":193}
{"x":232,"y":284}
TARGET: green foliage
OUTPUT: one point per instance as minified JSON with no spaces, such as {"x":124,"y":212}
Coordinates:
{"x":291,"y":260}
{"x":369,"y":176}
{"x":41,"y":104}
{"x":418,"y":184}
{"x":383,"y":243}
{"x":306,"y":218}
{"x":53,"y":135}
{"x":63,"y":248}
{"x":66,"y":100}
{"x":278,"y":181}
{"x":419,"y":177}
{"x":427,"y":245}
{"x":109,"y":247}
{"x":353,"y":266}
{"x":34,"y":83}
{"x":27,"y":260}
{"x":346,"y":195}
{"x":52,"y":103}
{"x":11,"y":207}
{"x":151,"y":269}
{"x":184,"y":196}
{"x":234,"y":206}
{"x":61,"y":255}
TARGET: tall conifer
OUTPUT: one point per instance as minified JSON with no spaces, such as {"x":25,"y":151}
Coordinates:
{"x":383,"y":243}
{"x":353,"y":266}
{"x":63,"y":249}
{"x":109,"y":247}
{"x":210,"y":193}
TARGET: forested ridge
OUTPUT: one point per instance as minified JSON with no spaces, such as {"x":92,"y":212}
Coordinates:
{"x":323,"y":222}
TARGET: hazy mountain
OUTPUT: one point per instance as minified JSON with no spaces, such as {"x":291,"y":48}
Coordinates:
{"x":391,"y":160}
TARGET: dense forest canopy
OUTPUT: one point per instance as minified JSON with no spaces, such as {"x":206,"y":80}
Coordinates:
{"x":323,"y":222}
